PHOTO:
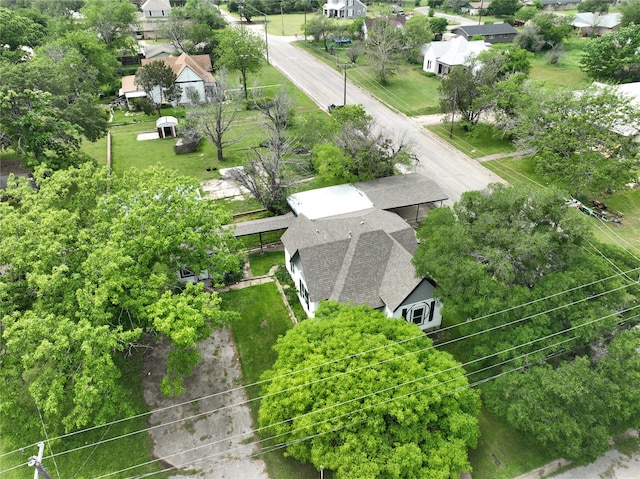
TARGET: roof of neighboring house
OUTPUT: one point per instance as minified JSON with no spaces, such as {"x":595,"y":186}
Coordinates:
{"x":479,"y":4}
{"x":558,"y":2}
{"x":129,"y":88}
{"x":355,"y":258}
{"x":490,"y":29}
{"x":156,"y":5}
{"x":457,"y":50}
{"x":200,"y":64}
{"x":591,"y":20}
{"x":154,"y":49}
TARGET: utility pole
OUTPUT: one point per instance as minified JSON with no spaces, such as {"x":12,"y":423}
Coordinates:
{"x":266,"y":37}
{"x":480,"y":17}
{"x":454,"y":100}
{"x":37,"y":463}
{"x":282,"y":17}
{"x":344,"y":67}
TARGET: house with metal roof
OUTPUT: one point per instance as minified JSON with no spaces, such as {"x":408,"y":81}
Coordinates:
{"x":345,"y":243}
{"x":595,"y":24}
{"x":441,"y":57}
{"x":491,"y":33}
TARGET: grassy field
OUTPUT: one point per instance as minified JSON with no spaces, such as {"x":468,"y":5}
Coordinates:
{"x":567,"y":73}
{"x":262,"y":263}
{"x":470,"y":144}
{"x":128,"y":152}
{"x":502,"y":453}
{"x":264,"y":319}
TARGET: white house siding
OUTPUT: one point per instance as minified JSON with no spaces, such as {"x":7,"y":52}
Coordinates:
{"x":431,"y":309}
{"x":295,"y":271}
{"x":188,"y":79}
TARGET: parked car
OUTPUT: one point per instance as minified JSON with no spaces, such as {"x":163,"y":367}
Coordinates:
{"x":342,"y":41}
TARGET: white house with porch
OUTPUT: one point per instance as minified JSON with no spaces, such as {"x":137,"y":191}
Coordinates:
{"x":342,"y":245}
{"x":344,"y":9}
{"x":441,"y":57}
{"x":193,"y":76}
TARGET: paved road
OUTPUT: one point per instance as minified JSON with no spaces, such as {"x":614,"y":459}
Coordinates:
{"x":452,"y":18}
{"x":452,"y":170}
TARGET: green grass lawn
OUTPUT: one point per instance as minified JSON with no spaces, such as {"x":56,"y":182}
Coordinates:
{"x":475,"y":146}
{"x":264,"y":319}
{"x":567,"y":73}
{"x":514,"y":453}
{"x":262,"y":263}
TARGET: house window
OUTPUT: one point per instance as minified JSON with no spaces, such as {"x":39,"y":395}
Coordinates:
{"x":419,"y":313}
{"x":186,"y":273}
{"x":350,"y":12}
{"x":304,"y":294}
{"x":150,"y":13}
{"x":429,"y":64}
{"x":163,"y":13}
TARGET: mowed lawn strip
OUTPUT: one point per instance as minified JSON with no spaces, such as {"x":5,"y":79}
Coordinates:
{"x":264,"y":319}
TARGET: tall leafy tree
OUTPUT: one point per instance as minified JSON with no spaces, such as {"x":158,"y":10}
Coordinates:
{"x":630,"y":12}
{"x":384,"y":43}
{"x":159,"y":82}
{"x":241,"y":50}
{"x":416,"y":32}
{"x":320,"y":27}
{"x":92,"y":265}
{"x":16,"y":33}
{"x":510,"y":246}
{"x":110,"y":19}
{"x":359,"y":150}
{"x":503,"y":8}
{"x":613,"y":56}
{"x":585,"y":142}
{"x":366,"y":396}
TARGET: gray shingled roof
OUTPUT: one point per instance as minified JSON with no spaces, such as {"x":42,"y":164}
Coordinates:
{"x":350,"y":257}
{"x":404,"y":190}
{"x":263,"y":225}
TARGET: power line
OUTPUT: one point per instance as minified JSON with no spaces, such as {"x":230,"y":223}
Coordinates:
{"x":616,"y":313}
{"x":518,"y":320}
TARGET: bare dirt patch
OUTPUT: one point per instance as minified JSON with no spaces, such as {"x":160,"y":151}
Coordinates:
{"x":209,"y":437}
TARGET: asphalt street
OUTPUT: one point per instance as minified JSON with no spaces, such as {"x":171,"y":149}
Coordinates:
{"x":452,"y":170}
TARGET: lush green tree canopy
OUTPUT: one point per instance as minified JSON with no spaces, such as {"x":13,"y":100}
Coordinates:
{"x":357,"y":151}
{"x":92,"y":264}
{"x":110,"y":19}
{"x":242,"y":50}
{"x":630,"y":12}
{"x":573,"y":408}
{"x":16,"y":32}
{"x":416,"y":32}
{"x":583,"y":141}
{"x":368,"y":397}
{"x":504,"y":7}
{"x":613,"y":57}
{"x":509,"y":246}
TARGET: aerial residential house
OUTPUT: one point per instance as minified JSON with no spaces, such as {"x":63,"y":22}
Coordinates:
{"x":492,"y":33}
{"x":150,"y":19}
{"x":476,"y":8}
{"x":441,"y":57}
{"x":350,"y":243}
{"x":595,"y":24}
{"x":397,"y":22}
{"x":193,"y":77}
{"x":344,"y":9}
{"x":555,"y":5}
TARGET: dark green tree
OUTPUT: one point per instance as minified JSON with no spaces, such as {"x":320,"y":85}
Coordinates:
{"x":110,"y":19}
{"x":93,"y":265}
{"x":630,"y":12}
{"x":18,"y":32}
{"x":503,"y":8}
{"x":416,"y":419}
{"x":612,"y":57}
{"x":159,"y":82}
{"x":600,"y":6}
{"x":243,"y":51}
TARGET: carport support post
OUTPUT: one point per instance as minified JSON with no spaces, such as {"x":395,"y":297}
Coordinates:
{"x":261,"y":250}
{"x":417,"y":212}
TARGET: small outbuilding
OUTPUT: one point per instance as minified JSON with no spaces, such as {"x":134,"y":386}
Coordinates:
{"x":167,"y":127}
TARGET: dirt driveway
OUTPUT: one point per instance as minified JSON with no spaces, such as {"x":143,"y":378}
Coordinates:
{"x":198,"y":436}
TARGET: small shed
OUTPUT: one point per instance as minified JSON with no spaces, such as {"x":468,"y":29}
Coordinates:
{"x":167,"y":127}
